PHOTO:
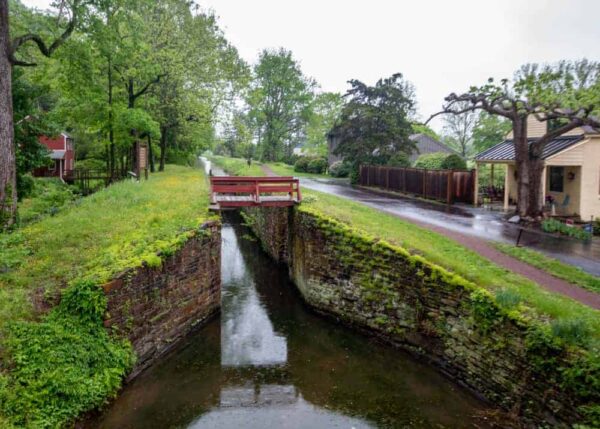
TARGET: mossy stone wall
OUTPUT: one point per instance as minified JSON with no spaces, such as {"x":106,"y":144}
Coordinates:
{"x":407,"y":301}
{"x":156,"y":306}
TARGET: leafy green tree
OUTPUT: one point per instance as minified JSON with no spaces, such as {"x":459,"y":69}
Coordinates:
{"x":424,"y":129}
{"x":566,"y":93}
{"x":280,"y":101}
{"x":375,"y":122}
{"x":325,"y":110}
{"x":489,"y":131}
{"x":14,"y":51}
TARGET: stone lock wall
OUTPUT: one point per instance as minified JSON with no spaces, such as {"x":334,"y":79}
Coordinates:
{"x":414,"y":304}
{"x":155,"y":307}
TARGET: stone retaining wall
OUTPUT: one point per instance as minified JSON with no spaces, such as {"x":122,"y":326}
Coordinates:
{"x":155,"y":307}
{"x":409,"y":302}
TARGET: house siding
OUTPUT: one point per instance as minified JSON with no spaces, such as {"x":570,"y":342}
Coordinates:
{"x":590,"y":179}
{"x":572,"y":156}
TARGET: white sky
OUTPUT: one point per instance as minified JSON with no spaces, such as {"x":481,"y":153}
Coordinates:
{"x":441,"y":46}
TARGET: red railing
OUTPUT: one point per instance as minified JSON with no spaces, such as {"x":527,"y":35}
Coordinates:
{"x":229,"y":191}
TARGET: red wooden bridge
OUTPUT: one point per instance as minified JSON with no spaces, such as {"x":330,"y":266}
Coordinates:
{"x":231,"y":192}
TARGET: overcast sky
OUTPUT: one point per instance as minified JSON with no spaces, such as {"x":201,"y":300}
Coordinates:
{"x":441,"y":46}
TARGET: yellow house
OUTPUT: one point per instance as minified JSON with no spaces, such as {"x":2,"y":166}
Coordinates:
{"x":571,"y":169}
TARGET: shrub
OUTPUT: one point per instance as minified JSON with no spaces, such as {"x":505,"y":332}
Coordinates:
{"x":25,"y":185}
{"x":301,"y":165}
{"x":454,"y":162}
{"x":339,"y":169}
{"x":47,"y":198}
{"x":399,"y":160}
{"x":91,"y":164}
{"x":432,"y":161}
{"x":310,"y":164}
{"x":440,"y":161}
{"x":317,"y":165}
{"x":553,"y":225}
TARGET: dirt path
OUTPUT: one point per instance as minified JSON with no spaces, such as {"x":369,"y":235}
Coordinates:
{"x":486,"y":249}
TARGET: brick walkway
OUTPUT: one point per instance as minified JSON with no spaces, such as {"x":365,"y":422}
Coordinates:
{"x":485,"y":249}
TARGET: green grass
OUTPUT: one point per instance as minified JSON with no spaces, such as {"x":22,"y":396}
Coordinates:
{"x":58,"y":365}
{"x":283,"y":169}
{"x":48,"y":197}
{"x":238,"y":166}
{"x":552,"y":266}
{"x":538,"y":303}
{"x":103,"y":234}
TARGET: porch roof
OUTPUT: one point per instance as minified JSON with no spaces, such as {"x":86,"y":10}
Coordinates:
{"x":57,"y":154}
{"x":505,"y":151}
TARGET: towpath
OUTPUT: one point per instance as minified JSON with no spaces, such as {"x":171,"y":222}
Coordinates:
{"x":446,"y":222}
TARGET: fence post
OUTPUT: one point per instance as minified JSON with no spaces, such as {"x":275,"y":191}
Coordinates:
{"x":404,"y":180}
{"x":425,"y":183}
{"x":387,"y":178}
{"x":450,"y":186}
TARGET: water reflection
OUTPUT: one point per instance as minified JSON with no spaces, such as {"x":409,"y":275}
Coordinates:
{"x":247,"y":333}
{"x":281,"y":406}
{"x":268,"y":362}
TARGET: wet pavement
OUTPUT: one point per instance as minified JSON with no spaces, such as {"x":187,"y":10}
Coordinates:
{"x":476,"y":222}
{"x":268,"y":361}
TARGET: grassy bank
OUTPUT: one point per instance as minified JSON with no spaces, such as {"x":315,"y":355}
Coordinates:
{"x":60,"y":362}
{"x":566,"y":318}
{"x":553,"y":266}
{"x":238,"y":166}
{"x":283,"y":169}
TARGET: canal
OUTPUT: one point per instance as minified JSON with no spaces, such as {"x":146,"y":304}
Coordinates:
{"x":268,"y":361}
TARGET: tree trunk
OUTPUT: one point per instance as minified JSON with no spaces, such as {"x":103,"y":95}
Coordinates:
{"x":530,"y":166}
{"x":163,"y":148}
{"x":8,"y":174}
{"x":150,"y":154}
{"x":111,"y":132}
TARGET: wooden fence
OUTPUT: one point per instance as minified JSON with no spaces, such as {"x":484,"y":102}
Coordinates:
{"x":87,"y":179}
{"x":449,"y":186}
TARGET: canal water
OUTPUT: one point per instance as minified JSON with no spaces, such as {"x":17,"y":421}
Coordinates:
{"x":269,"y":362}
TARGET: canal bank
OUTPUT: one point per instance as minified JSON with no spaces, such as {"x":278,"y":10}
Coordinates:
{"x":496,"y":350}
{"x":268,"y":361}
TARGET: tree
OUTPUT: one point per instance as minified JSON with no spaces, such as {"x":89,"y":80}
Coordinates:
{"x":424,"y":129}
{"x":375,"y":122}
{"x":489,"y":131}
{"x":458,"y":130}
{"x":280,"y":103}
{"x":566,"y":94}
{"x":9,"y":49}
{"x":325,"y":110}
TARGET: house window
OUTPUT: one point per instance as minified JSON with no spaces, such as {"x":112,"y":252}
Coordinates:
{"x":557,"y":179}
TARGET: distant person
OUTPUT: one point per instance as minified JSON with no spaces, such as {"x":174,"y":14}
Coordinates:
{"x":249,"y":162}
{"x":210,"y":172}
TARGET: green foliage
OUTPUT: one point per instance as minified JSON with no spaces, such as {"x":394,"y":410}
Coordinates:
{"x":325,"y":110}
{"x":374,"y":123}
{"x":280,"y":104}
{"x":508,"y":299}
{"x":535,"y":302}
{"x":64,"y":365}
{"x":311,"y":164}
{"x":399,"y":160}
{"x":340,"y":169}
{"x":238,"y":166}
{"x":91,"y":164}
{"x":574,"y":331}
{"x":48,"y":197}
{"x":554,"y":225}
{"x":454,"y":162}
{"x":317,"y":166}
{"x":424,"y":129}
{"x":558,"y":269}
{"x":440,"y":161}
{"x":489,"y":131}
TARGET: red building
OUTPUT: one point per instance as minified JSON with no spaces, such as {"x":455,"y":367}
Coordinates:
{"x":62,"y":155}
